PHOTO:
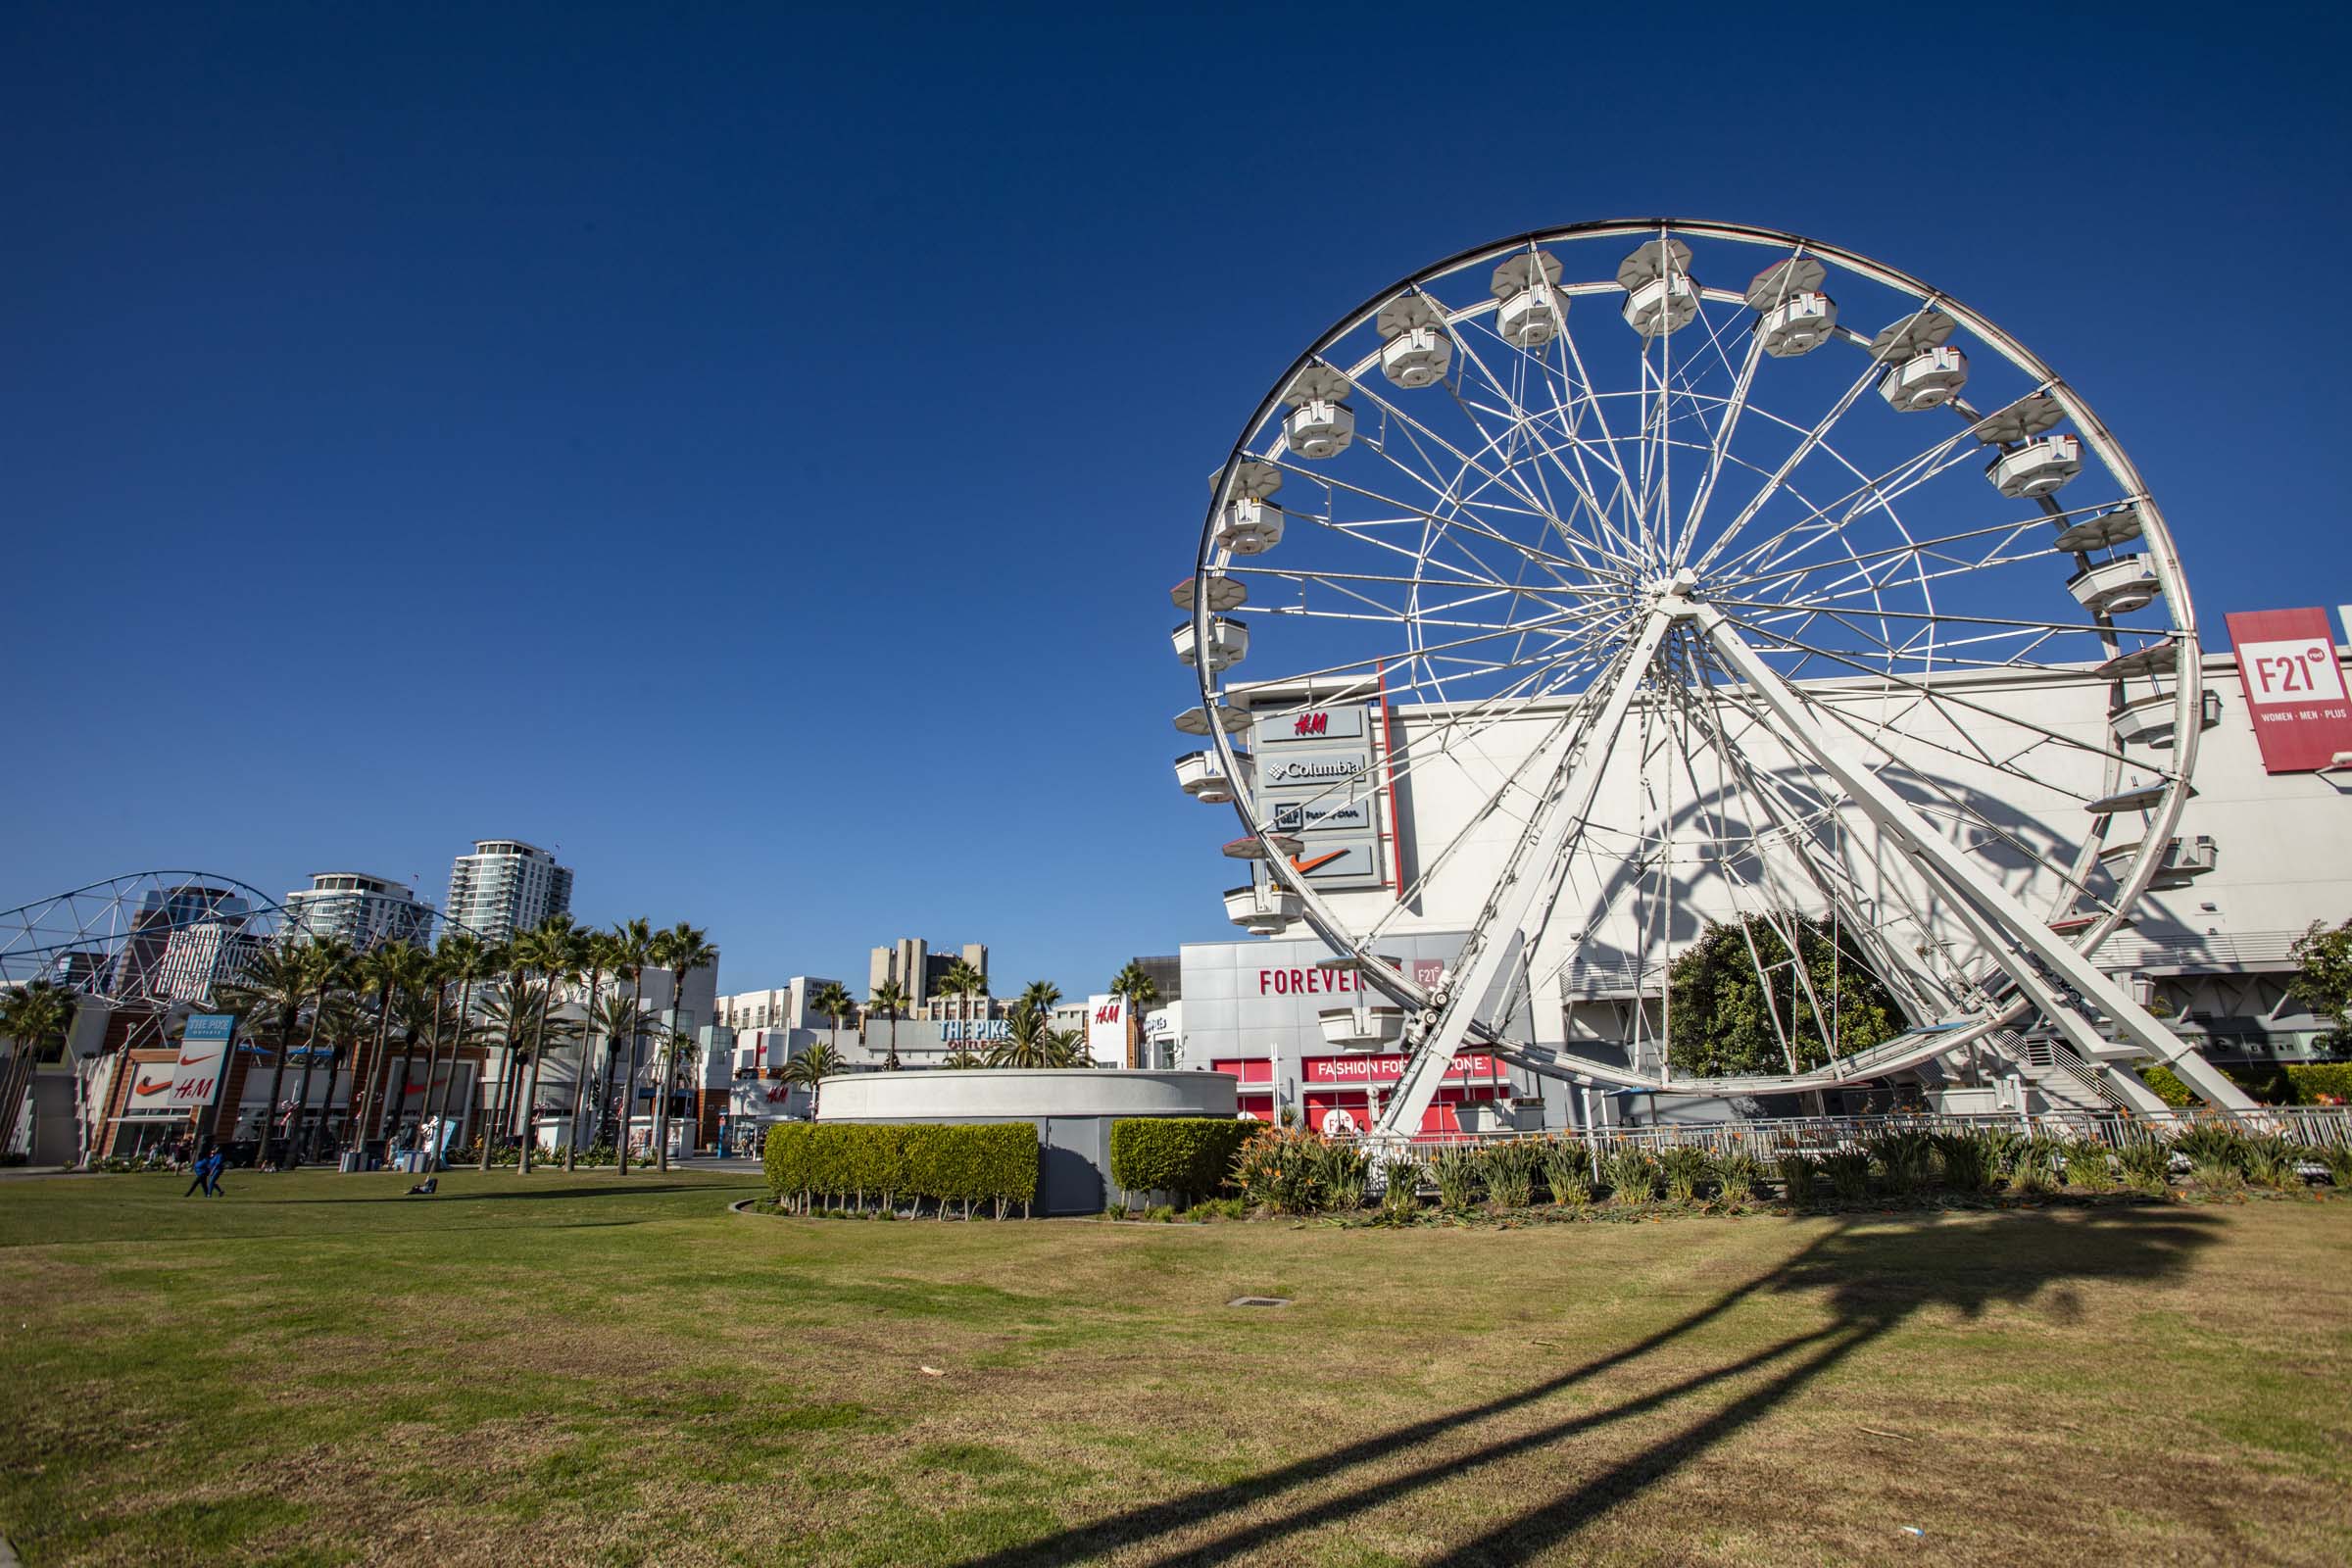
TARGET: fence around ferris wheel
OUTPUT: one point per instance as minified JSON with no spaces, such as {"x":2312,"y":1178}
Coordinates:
{"x":2318,"y":1126}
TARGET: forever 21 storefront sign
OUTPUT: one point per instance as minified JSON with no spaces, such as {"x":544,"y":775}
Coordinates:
{"x":1315,"y":770}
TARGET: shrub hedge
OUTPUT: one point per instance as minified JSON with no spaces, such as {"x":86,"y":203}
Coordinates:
{"x":1189,"y":1155}
{"x":2294,"y":1083}
{"x":992,"y":1162}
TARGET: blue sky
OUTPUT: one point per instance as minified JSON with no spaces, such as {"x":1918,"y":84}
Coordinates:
{"x":751,"y":451}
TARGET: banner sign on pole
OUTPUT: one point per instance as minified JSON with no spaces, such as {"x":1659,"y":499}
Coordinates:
{"x":203,"y":1061}
{"x":2294,"y":687}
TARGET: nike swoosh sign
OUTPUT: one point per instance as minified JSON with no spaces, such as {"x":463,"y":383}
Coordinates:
{"x":189,"y":1061}
{"x":1304,"y":866}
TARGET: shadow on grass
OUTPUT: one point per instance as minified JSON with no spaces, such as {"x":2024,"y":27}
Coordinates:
{"x":1874,"y":1274}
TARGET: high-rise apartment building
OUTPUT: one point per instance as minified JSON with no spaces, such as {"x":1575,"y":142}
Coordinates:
{"x":505,"y":886}
{"x":917,"y":969}
{"x":362,"y":910}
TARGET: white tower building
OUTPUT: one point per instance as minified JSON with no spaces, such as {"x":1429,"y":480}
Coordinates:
{"x":505,"y":886}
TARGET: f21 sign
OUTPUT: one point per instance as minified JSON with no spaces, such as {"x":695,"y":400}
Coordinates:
{"x":2294,"y":687}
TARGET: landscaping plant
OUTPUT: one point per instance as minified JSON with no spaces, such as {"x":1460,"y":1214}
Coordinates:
{"x":1568,"y":1171}
{"x":1347,"y":1171}
{"x":1510,"y":1171}
{"x":1800,"y":1176}
{"x":1400,"y":1198}
{"x":1966,"y":1160}
{"x":1459,"y":1172}
{"x":2146,"y":1161}
{"x":1904,"y":1159}
{"x":1849,"y":1171}
{"x":1737,"y":1174}
{"x":1632,"y":1175}
{"x":1282,"y":1169}
{"x":1684,"y":1169}
{"x":2089,"y":1165}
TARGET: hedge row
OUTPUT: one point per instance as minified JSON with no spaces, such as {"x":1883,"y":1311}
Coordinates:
{"x":993,"y":1163}
{"x":2299,"y":1083}
{"x":1191,"y":1157}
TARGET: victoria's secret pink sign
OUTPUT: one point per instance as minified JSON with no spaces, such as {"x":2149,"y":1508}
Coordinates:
{"x":1387,"y":1069}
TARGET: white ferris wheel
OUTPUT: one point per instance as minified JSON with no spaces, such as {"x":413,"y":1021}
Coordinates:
{"x":1696,"y":572}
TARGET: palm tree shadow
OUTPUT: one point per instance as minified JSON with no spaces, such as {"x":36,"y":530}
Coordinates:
{"x":1872,"y":1276}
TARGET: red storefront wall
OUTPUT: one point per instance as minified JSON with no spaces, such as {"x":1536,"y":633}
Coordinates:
{"x":1475,"y":1078}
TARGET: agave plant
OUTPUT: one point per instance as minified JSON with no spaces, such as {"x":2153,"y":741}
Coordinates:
{"x":1799,"y":1177}
{"x":1686,"y":1168}
{"x":1737,"y":1174}
{"x":2033,"y":1166}
{"x":1568,"y":1172}
{"x":1510,"y":1172}
{"x":1346,"y":1170}
{"x":1632,"y":1175}
{"x":1849,"y":1171}
{"x":1904,"y":1159}
{"x":2089,"y":1165}
{"x":2337,"y":1157}
{"x":1459,"y":1172}
{"x":2274,"y":1162}
{"x":2213,"y":1143}
{"x":1400,"y":1198}
{"x":2146,"y":1162}
{"x":1967,"y":1160}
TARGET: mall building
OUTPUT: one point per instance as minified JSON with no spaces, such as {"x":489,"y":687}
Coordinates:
{"x":2255,"y":858}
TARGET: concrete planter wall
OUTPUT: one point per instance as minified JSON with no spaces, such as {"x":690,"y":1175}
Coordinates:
{"x":1072,"y":1109}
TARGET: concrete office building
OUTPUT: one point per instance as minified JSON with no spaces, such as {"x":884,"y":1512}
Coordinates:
{"x":505,"y":886}
{"x":361,"y":909}
{"x":919,"y":970}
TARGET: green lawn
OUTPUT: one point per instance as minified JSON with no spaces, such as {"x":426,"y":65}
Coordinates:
{"x":597,"y":1370}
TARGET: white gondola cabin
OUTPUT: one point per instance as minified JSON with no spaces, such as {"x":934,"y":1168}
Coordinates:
{"x":1202,"y":776}
{"x":1228,"y":644}
{"x":1926,"y":381}
{"x":2038,"y":468}
{"x":1262,"y":911}
{"x":2116,"y":587}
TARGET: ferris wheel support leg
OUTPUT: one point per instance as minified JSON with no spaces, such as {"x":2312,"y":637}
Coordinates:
{"x":1946,"y":866}
{"x":1527,"y":874}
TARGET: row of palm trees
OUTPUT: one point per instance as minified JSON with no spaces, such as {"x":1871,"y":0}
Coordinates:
{"x":319,"y":999}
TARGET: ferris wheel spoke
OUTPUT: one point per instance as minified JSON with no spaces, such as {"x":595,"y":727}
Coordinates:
{"x":1880,"y":491}
{"x":1924,"y":690}
{"x":2005,"y":532}
{"x":1521,"y":422}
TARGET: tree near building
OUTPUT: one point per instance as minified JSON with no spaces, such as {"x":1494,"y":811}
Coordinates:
{"x":1135,"y":984}
{"x":681,"y":950}
{"x":1737,"y":1003}
{"x":2323,"y":983}
{"x":32,"y":1017}
{"x":890,"y":1001}
{"x":809,"y":1069}
{"x":632,"y":952}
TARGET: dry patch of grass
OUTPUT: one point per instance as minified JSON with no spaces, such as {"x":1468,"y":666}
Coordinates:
{"x":571,"y":1371}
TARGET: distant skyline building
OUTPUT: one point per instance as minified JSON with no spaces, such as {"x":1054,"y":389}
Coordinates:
{"x":164,"y":914}
{"x":505,"y":886}
{"x":361,"y":909}
{"x":919,"y":970}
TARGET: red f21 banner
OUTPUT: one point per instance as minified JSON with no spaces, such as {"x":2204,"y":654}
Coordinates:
{"x":2294,"y":687}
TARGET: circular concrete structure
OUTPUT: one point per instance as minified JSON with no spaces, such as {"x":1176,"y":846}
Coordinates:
{"x":1072,"y":1109}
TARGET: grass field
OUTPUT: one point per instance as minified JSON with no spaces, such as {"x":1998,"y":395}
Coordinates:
{"x":590,"y":1370}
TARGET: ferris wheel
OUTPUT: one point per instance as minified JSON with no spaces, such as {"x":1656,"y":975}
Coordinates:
{"x":1694,"y":574}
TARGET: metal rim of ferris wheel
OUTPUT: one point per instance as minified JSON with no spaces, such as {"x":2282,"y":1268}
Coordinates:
{"x":1739,"y":528}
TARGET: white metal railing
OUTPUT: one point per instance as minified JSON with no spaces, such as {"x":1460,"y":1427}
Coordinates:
{"x":2320,"y":1126}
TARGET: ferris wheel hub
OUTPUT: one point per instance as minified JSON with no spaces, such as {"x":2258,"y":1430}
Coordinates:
{"x":1674,"y":595}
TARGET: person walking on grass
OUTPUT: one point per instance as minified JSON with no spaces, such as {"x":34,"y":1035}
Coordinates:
{"x":200,"y":1169}
{"x":215,"y":1163}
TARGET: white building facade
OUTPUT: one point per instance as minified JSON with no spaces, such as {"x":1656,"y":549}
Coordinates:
{"x":505,"y":886}
{"x":358,"y":909}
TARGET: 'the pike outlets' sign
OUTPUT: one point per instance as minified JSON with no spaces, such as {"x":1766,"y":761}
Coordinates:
{"x":2294,"y":687}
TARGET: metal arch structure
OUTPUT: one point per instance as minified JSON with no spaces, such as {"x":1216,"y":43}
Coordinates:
{"x":146,"y":939}
{"x":1754,"y":585}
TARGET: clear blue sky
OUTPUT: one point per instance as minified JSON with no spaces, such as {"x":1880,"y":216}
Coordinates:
{"x":751,"y":451}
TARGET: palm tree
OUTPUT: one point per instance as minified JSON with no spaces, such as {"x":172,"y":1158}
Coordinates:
{"x":1068,"y":1047}
{"x":809,"y":1069}
{"x":600,"y":949}
{"x":276,"y":986}
{"x":471,"y":960}
{"x":329,"y":959}
{"x":554,"y":950}
{"x":833,"y":1000}
{"x":1135,"y":985}
{"x":616,"y":1018}
{"x":961,"y":981}
{"x":393,"y":970}
{"x":632,"y":951}
{"x":30,"y":1016}
{"x":1028,"y":1045}
{"x":681,"y":950}
{"x":890,"y":1000}
{"x":1041,"y":995}
{"x":508,"y":1018}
